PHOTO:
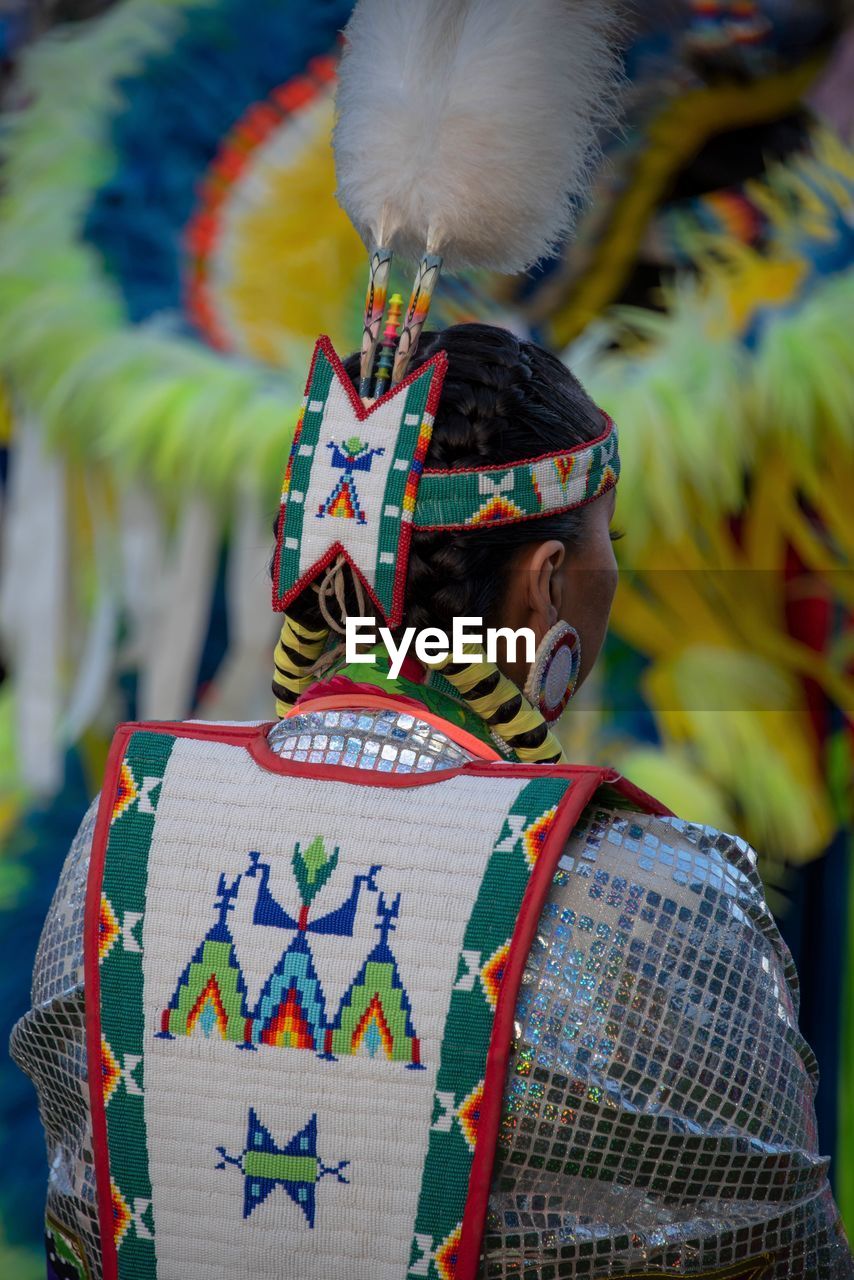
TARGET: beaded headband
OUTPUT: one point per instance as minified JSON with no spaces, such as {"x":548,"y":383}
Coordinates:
{"x":355,"y":483}
{"x":505,"y":494}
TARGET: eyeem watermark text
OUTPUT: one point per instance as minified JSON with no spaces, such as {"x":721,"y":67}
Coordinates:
{"x":469,"y":641}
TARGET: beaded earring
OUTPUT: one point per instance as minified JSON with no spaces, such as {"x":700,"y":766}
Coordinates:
{"x":554,"y":672}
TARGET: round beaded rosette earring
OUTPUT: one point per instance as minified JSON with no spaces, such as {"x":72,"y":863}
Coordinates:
{"x":554,"y":672}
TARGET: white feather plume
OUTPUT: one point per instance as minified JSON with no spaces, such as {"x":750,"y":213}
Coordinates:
{"x":468,"y":127}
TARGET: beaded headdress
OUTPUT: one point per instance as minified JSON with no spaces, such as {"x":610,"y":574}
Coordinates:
{"x":465,"y":130}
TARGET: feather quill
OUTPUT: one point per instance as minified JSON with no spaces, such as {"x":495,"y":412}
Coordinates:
{"x":468,"y":127}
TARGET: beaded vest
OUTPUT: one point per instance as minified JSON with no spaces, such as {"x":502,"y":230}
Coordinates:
{"x":300,"y":982}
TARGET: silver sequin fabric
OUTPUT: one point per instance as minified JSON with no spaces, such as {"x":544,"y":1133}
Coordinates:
{"x":49,"y":1043}
{"x":658,"y":1115}
{"x":385,"y":741}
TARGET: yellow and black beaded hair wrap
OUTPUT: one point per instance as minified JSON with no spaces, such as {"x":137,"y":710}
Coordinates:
{"x":509,"y":714}
{"x":298,"y":649}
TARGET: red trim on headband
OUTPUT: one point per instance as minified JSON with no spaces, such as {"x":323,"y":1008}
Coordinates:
{"x":533,"y":515}
{"x":442,"y":472}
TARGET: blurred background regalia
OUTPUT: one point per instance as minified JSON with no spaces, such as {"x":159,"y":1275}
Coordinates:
{"x":170,"y":246}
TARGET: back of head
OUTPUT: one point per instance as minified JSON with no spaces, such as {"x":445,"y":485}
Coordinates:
{"x":504,"y":399}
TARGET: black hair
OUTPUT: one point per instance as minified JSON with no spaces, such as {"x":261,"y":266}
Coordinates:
{"x":504,"y":399}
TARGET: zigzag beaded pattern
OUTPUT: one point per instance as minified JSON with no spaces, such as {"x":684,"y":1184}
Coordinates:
{"x":520,"y":491}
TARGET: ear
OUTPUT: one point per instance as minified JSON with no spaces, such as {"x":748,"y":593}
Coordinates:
{"x":542,"y":560}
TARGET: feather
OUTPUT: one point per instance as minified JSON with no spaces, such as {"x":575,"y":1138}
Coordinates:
{"x":469,"y":126}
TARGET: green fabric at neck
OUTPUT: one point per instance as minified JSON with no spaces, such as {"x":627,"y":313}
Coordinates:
{"x":437,"y":696}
